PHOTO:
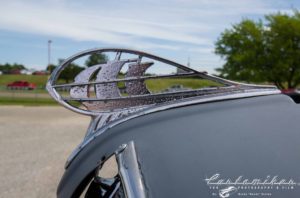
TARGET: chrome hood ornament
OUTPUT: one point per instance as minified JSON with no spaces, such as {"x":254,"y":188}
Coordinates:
{"x":96,"y":88}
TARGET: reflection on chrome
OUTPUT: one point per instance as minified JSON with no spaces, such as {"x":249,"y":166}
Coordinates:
{"x":129,"y":171}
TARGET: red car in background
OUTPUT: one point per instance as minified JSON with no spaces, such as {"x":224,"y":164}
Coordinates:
{"x":21,"y":85}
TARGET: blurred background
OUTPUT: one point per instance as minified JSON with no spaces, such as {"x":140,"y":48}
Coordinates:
{"x":251,"y":41}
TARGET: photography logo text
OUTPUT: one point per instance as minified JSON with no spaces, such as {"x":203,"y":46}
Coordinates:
{"x":242,"y":186}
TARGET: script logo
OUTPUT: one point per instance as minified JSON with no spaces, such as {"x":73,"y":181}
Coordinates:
{"x":254,"y":187}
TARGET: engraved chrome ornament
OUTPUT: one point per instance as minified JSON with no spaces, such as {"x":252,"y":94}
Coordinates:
{"x":96,"y":87}
{"x":108,"y":97}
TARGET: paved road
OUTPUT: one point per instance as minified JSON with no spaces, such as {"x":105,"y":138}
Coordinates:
{"x":34,"y":144}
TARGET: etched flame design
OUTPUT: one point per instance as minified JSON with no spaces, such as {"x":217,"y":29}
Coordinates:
{"x":107,"y":72}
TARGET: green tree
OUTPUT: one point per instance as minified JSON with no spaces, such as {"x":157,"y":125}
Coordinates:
{"x":50,"y":68}
{"x":70,"y":72}
{"x":263,"y":51}
{"x":8,"y":68}
{"x":95,"y":59}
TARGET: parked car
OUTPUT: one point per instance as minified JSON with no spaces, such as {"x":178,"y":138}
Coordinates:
{"x":235,"y":140}
{"x":21,"y":85}
{"x":40,"y":73}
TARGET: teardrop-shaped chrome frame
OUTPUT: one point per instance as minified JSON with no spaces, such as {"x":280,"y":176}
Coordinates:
{"x":108,"y":99}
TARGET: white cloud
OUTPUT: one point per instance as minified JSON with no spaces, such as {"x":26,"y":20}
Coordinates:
{"x":189,"y":27}
{"x":80,"y":25}
{"x":172,"y":20}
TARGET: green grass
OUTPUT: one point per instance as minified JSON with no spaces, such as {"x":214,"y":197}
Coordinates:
{"x":27,"y":101}
{"x":3,"y":89}
{"x":39,"y":80}
{"x":192,"y":83}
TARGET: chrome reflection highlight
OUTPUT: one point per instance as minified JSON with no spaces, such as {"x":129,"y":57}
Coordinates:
{"x":129,"y":171}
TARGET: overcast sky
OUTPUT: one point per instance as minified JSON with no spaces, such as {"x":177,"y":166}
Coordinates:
{"x":175,"y":29}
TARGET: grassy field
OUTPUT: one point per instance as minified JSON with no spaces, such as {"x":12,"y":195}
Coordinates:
{"x":162,"y":84}
{"x":39,"y":80}
{"x":36,"y":97}
{"x":27,"y":101}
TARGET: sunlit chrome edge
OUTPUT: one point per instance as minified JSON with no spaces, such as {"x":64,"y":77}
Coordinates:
{"x":129,"y":171}
{"x":176,"y":104}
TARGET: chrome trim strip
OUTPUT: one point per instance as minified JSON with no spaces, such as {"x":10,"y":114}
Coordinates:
{"x":129,"y":171}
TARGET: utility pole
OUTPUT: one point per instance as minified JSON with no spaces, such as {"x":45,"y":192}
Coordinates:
{"x":49,"y":52}
{"x":188,"y":62}
{"x":49,"y":57}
